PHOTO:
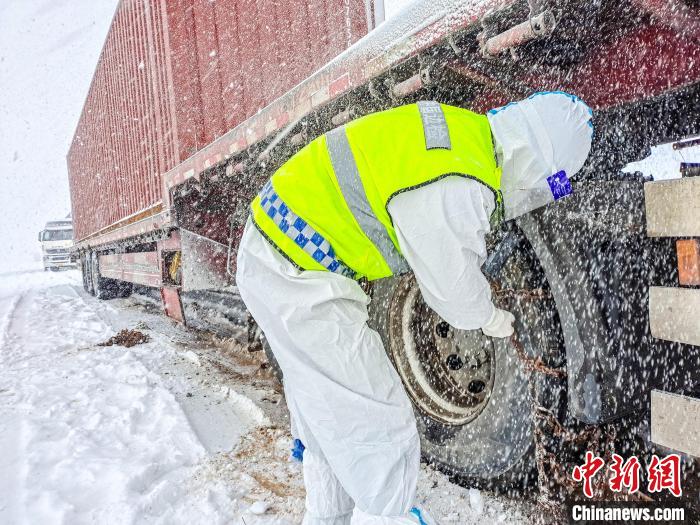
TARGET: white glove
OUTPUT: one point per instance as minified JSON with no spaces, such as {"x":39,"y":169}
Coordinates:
{"x":500,"y":324}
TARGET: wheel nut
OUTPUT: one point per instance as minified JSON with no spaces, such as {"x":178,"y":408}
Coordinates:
{"x":476,"y":386}
{"x":454,"y":362}
{"x":442,"y":329}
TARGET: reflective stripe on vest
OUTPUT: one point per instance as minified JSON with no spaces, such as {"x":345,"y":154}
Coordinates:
{"x":437,"y":134}
{"x":301,"y":232}
{"x":348,"y":177}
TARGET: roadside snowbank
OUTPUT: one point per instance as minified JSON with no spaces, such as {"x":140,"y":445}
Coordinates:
{"x":98,"y":434}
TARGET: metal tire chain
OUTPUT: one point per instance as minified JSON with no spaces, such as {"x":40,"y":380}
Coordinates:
{"x":600,"y":440}
{"x":548,"y":467}
{"x":531,"y":363}
{"x":555,"y":485}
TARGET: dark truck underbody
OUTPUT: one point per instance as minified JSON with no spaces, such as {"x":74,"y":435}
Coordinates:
{"x":599,"y":265}
{"x":582,"y":308}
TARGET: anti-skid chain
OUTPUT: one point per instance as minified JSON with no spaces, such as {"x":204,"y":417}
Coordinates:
{"x":534,"y":364}
{"x":552,"y":474}
{"x":554,"y":477}
{"x":522,"y":293}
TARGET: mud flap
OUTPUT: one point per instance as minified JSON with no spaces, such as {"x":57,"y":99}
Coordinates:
{"x":172,"y":303}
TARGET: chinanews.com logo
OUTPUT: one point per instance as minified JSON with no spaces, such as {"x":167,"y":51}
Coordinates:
{"x":626,"y":512}
{"x":662,"y":475}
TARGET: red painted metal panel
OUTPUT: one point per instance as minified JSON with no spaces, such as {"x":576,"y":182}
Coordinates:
{"x":131,"y":124}
{"x":315,"y":14}
{"x":595,"y":78}
{"x":157,"y":220}
{"x":294,"y":12}
{"x":207,"y":45}
{"x":176,"y":74}
{"x":269,"y":58}
{"x":647,"y":61}
{"x":230,"y":62}
{"x":172,"y":304}
{"x":141,"y":268}
{"x":251,"y":61}
{"x":185,"y":77}
{"x":119,"y":87}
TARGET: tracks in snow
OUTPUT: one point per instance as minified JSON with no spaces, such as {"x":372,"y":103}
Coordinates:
{"x":5,"y":330}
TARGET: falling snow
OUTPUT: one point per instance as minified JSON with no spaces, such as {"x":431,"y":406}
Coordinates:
{"x":154,"y":124}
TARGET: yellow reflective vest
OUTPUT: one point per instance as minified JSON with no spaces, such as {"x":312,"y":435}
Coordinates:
{"x":326,"y":208}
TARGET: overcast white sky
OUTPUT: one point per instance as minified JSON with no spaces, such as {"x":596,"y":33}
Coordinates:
{"x":48,"y":52}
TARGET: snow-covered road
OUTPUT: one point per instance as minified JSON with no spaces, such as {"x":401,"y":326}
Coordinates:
{"x":181,"y":429}
{"x":105,"y":434}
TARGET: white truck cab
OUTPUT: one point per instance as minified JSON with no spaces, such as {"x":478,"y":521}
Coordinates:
{"x":56,"y":241}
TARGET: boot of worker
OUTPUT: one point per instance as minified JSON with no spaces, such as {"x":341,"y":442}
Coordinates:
{"x":327,"y":503}
{"x":422,"y":517}
{"x":415,"y":516}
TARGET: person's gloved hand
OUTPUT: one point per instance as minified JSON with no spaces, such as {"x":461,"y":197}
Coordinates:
{"x":500,"y":324}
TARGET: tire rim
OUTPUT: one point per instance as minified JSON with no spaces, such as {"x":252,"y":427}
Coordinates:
{"x":447,"y":372}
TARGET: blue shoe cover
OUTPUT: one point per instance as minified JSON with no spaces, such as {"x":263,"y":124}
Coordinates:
{"x":298,"y":451}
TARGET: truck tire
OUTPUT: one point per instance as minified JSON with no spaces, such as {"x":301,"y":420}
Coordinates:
{"x":106,"y":288}
{"x":493,"y":447}
{"x":470,"y":392}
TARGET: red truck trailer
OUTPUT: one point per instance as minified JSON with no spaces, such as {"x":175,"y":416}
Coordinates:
{"x":195,"y":103}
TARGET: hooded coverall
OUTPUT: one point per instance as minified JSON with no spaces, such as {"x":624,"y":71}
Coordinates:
{"x":346,"y":401}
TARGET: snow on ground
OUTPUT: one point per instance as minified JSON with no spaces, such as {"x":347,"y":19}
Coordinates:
{"x":107,"y":434}
{"x":182,"y":429}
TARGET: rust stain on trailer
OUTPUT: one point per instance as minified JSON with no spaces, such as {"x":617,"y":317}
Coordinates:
{"x":139,"y":216}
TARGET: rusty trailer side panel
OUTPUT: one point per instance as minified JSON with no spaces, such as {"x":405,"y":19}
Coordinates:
{"x":176,"y":75}
{"x":140,"y":268}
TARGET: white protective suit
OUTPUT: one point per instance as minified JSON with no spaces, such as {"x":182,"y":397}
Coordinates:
{"x":346,"y":401}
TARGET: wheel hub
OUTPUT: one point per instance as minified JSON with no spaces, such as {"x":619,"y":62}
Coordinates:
{"x":447,"y":372}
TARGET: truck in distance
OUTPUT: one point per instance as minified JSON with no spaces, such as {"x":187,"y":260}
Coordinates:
{"x":56,"y":242}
